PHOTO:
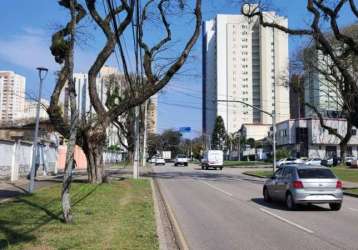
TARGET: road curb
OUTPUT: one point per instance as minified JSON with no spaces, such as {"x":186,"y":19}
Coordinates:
{"x":254,"y":175}
{"x":178,"y":233}
{"x":350,"y":194}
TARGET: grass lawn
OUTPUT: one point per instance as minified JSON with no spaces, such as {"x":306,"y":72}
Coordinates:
{"x":244,"y":163}
{"x":118,"y":215}
{"x":346,"y":174}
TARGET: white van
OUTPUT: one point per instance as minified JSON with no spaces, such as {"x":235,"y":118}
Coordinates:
{"x":213,"y":159}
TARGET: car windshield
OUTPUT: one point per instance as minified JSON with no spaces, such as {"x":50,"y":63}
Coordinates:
{"x":181,"y":156}
{"x":318,"y":173}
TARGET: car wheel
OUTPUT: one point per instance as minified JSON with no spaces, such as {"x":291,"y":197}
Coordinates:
{"x":186,"y":164}
{"x":290,"y":203}
{"x":266,"y":195}
{"x":335,"y":206}
{"x":206,"y":167}
{"x":202,"y":167}
{"x":221,"y":168}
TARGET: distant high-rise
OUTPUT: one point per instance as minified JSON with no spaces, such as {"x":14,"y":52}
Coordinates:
{"x":83,"y":98}
{"x":321,"y":90}
{"x":244,"y":61}
{"x":12,"y":96}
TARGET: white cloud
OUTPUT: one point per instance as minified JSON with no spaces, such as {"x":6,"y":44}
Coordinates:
{"x":31,"y":49}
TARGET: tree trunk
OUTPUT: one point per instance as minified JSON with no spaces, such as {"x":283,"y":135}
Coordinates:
{"x":67,"y":177}
{"x":343,"y":148}
{"x":94,"y":144}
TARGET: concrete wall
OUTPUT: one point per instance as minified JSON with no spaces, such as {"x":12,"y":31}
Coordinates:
{"x":16,"y":159}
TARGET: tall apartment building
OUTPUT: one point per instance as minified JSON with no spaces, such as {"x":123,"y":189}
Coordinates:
{"x":319,"y":91}
{"x":12,"y":96}
{"x":244,"y":61}
{"x":83,"y":99}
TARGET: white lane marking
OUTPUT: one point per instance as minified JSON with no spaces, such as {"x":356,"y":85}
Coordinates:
{"x":216,"y":188}
{"x":287,"y":221}
{"x":353,"y":209}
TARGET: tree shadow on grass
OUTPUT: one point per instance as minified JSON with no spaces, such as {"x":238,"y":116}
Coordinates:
{"x":12,"y":236}
{"x":17,"y":231}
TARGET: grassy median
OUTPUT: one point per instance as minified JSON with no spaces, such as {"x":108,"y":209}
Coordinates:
{"x":343,"y":173}
{"x":118,"y":215}
{"x":244,"y":163}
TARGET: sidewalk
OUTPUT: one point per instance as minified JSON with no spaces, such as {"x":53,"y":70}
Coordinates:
{"x":9,"y":189}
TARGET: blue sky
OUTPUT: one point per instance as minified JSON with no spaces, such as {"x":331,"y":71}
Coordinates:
{"x":26,"y":27}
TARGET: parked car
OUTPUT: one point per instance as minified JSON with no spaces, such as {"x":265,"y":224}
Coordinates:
{"x":288,"y":161}
{"x":349,"y":160}
{"x":212,"y":159}
{"x":314,"y":162}
{"x":152,"y":160}
{"x":301,"y":184}
{"x":181,"y":160}
{"x":159,"y":161}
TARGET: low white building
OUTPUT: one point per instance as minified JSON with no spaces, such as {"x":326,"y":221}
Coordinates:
{"x":306,"y":137}
{"x":255,"y":131}
{"x":31,"y":109}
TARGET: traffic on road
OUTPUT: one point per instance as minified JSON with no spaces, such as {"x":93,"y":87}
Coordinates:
{"x":225,"y":209}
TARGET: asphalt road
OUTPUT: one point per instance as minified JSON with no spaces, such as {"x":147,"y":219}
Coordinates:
{"x":225,"y":210}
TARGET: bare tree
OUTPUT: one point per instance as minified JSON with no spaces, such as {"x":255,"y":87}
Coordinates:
{"x":92,"y":132}
{"x":62,"y":48}
{"x":340,"y":48}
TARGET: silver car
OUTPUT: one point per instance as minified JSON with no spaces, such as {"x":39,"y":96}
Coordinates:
{"x":302,"y":184}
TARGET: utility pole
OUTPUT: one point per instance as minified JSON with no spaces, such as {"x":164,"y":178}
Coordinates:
{"x":144,"y":157}
{"x":42,"y":75}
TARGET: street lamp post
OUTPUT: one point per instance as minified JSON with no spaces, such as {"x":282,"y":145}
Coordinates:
{"x":42,"y":75}
{"x":273,"y":115}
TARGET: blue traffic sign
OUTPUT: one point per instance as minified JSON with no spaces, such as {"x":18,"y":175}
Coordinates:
{"x":185,"y":129}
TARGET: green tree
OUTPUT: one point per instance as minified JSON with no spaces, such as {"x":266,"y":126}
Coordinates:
{"x":219,"y":136}
{"x":283,"y":153}
{"x":171,"y":140}
{"x":251,"y":142}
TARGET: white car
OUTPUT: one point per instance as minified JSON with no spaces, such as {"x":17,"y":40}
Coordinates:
{"x":291,"y":160}
{"x":159,"y":161}
{"x":152,"y":160}
{"x":314,"y":162}
{"x":349,"y":160}
{"x":181,"y":160}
